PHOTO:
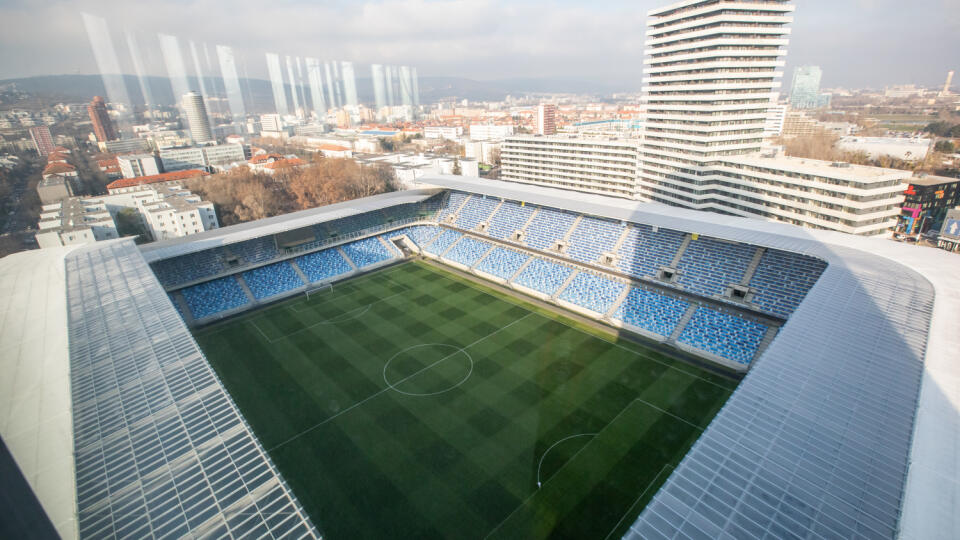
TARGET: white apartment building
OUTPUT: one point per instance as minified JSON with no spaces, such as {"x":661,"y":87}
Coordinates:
{"x":443,"y":132}
{"x":75,"y":220}
{"x":593,"y":165}
{"x":482,"y":151}
{"x":134,"y":165}
{"x":907,"y":149}
{"x":490,"y":132}
{"x":165,"y":210}
{"x":201,"y":157}
{"x":271,"y":122}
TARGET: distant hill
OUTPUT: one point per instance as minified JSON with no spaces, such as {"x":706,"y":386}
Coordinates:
{"x":259,"y":97}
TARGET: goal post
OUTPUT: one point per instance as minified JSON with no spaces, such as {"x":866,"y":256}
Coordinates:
{"x":319,"y":289}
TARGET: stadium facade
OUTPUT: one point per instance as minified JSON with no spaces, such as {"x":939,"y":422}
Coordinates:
{"x":842,"y":427}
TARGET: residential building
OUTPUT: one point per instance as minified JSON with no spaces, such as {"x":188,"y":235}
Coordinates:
{"x":271,"y":122}
{"x":272,"y":163}
{"x":593,"y":165}
{"x":197,"y":119}
{"x":134,"y":165}
{"x":103,"y":127}
{"x":451,"y":133}
{"x":219,"y":156}
{"x":545,"y":122}
{"x":75,"y":220}
{"x":490,"y":132}
{"x":482,"y":151}
{"x":42,"y":140}
{"x":59,"y":168}
{"x":127,"y":185}
{"x":209,"y":157}
{"x":54,"y":189}
{"x":169,"y":211}
{"x":798,"y":124}
{"x":907,"y":149}
{"x":928,"y":199}
{"x":776,"y":121}
{"x":805,"y":89}
{"x":125,"y":146}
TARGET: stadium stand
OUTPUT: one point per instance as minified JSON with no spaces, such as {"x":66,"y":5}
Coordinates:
{"x":367,"y":252}
{"x":782,"y":280}
{"x":644,"y":252}
{"x":651,"y":311}
{"x":503,"y":263}
{"x":322,"y":265}
{"x":592,"y":238}
{"x":258,"y":250}
{"x":212,"y":297}
{"x":451,"y":206}
{"x":421,"y":235}
{"x":593,"y":292}
{"x":547,"y":227}
{"x":351,"y":224}
{"x":476,"y":211}
{"x":509,"y":219}
{"x":724,"y":335}
{"x":187,"y":268}
{"x":708,"y":266}
{"x":543,"y":276}
{"x":467,"y":251}
{"x":271,"y":280}
{"x":443,"y":241}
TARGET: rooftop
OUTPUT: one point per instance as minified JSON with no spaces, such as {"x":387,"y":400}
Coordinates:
{"x":930,"y":180}
{"x":813,"y":167}
{"x":153,"y":179}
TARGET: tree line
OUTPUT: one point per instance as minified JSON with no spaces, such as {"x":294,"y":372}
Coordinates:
{"x":241,"y":194}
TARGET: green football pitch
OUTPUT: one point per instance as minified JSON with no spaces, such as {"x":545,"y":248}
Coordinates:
{"x":415,"y":403}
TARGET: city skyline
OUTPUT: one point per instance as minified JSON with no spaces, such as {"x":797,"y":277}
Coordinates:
{"x":499,"y":43}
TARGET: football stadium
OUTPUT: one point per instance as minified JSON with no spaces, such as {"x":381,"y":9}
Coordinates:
{"x":483,"y":359}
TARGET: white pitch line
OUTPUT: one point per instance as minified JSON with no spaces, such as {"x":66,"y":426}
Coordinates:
{"x":408,"y":377}
{"x":635,"y":501}
{"x":540,"y":464}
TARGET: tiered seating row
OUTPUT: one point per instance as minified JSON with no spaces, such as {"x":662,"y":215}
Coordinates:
{"x":446,"y":238}
{"x":547,"y":227}
{"x":510,"y":218}
{"x":544,"y":276}
{"x":503,"y":263}
{"x":467,"y":251}
{"x":214,"y":297}
{"x":726,"y":336}
{"x":322,"y":265}
{"x":255,"y":251}
{"x":708,"y":266}
{"x":644,"y":252}
{"x":477,"y":211}
{"x":366,"y":252}
{"x":593,"y":292}
{"x":782,"y":280}
{"x":451,"y":206}
{"x":651,"y":311}
{"x":419,"y":234}
{"x":271,"y":280}
{"x":187,"y":268}
{"x":592,"y":238}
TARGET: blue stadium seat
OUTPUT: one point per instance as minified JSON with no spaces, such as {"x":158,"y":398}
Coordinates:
{"x":644,"y":252}
{"x":419,"y":234}
{"x":503,"y":262}
{"x":322,"y":265}
{"x":783,"y":279}
{"x":451,"y":206}
{"x":187,"y":268}
{"x":547,"y":227}
{"x":366,"y":252}
{"x":651,"y":311}
{"x":255,"y":251}
{"x":443,"y":241}
{"x":708,"y":266}
{"x":592,"y":238}
{"x":271,"y":280}
{"x":214,"y":297}
{"x":477,"y":210}
{"x":593,"y":292}
{"x":467,"y":251}
{"x":726,"y":336}
{"x":543,"y":276}
{"x":509,"y":219}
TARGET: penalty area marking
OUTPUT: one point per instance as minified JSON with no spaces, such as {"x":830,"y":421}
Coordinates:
{"x":425,"y":394}
{"x":551,"y":448}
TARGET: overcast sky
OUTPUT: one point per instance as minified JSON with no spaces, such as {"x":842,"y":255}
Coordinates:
{"x":857,"y":42}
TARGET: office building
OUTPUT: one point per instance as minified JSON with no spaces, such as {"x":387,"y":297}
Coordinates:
{"x":450,"y":133}
{"x":133,"y":165}
{"x":42,"y":140}
{"x":124,"y":146}
{"x":545,"y":122}
{"x":928,"y":199}
{"x":210,"y":157}
{"x":271,"y":122}
{"x":593,"y":165}
{"x":490,"y":132}
{"x":197,"y":119}
{"x":805,"y":89}
{"x":102,"y":123}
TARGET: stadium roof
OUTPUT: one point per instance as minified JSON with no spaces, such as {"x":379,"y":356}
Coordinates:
{"x":822,"y":445}
{"x":175,"y":247}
